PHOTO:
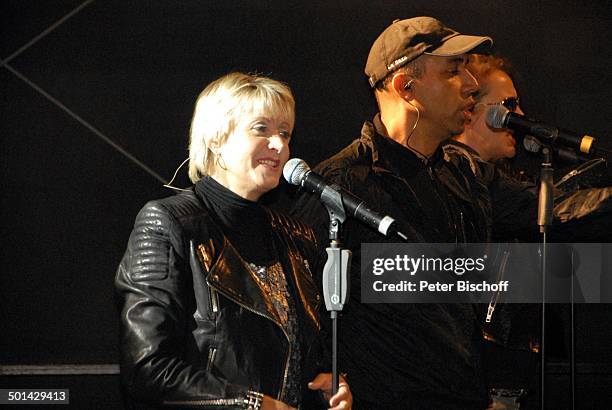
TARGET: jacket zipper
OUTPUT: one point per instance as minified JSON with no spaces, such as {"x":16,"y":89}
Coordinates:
{"x":212,"y":296}
{"x":277,"y":324}
{"x":214,"y":303}
{"x":495,"y":297}
{"x":212,"y":352}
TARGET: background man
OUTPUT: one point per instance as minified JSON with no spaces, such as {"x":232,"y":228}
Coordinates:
{"x":514,"y":201}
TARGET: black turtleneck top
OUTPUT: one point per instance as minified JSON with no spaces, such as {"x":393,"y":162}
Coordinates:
{"x":245,"y":223}
{"x":248,"y":227}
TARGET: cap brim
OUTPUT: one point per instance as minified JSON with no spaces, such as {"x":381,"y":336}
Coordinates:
{"x":461,"y":44}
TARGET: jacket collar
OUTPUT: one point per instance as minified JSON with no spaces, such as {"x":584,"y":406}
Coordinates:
{"x":390,"y":156}
{"x":483,"y":170}
{"x":452,"y":143}
{"x":299,"y":271}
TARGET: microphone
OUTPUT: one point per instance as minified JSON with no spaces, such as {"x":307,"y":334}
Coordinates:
{"x":297,"y":172}
{"x":499,"y":117}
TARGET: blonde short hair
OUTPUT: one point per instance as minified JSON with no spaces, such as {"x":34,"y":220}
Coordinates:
{"x":219,"y":108}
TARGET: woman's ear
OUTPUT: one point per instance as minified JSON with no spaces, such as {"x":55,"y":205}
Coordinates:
{"x":213,"y":146}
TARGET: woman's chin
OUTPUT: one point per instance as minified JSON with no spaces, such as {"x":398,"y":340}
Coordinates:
{"x":268,"y":185}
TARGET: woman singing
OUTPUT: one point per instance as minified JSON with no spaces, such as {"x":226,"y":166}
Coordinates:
{"x":218,"y":305}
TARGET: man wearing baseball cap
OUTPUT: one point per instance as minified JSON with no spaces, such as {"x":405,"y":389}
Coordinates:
{"x":411,"y":356}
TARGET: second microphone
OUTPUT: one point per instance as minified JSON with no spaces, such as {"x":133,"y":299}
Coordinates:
{"x":297,"y":172}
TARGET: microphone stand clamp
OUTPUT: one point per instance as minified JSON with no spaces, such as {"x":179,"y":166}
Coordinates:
{"x":335,"y":272}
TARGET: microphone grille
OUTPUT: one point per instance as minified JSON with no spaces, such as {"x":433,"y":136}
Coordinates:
{"x":294,"y":171}
{"x":496,"y":116}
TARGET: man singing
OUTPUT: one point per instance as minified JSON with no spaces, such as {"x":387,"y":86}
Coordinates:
{"x":411,"y":356}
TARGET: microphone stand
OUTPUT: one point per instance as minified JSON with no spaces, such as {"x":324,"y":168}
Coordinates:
{"x":335,"y":272}
{"x":545,"y":217}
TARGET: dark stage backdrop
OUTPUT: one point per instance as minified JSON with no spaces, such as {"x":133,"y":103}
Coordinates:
{"x":116,"y":81}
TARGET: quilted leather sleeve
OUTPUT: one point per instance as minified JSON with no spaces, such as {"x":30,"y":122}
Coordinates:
{"x":153,"y":284}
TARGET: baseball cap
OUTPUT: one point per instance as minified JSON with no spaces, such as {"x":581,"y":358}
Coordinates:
{"x":405,"y":40}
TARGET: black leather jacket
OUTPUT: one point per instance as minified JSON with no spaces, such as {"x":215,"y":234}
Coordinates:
{"x":426,"y":355}
{"x":196,"y":329}
{"x":580,"y":216}
{"x":431,"y":200}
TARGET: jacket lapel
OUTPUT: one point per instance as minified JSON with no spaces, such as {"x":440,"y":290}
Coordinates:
{"x":231,"y":276}
{"x":299,"y":277}
{"x":305,"y":287}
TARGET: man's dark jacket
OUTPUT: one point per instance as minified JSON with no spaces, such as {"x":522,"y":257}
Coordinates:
{"x":579,"y":215}
{"x":406,"y":356}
